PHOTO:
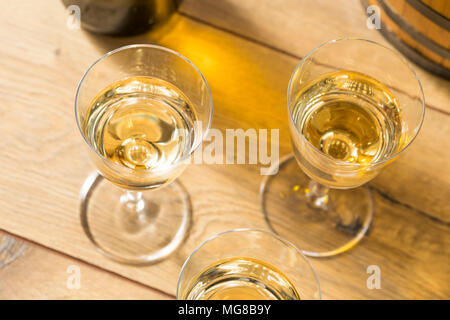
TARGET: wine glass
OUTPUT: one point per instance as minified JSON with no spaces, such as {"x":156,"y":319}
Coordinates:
{"x":142,"y":110}
{"x":354,"y":106}
{"x":247,"y":264}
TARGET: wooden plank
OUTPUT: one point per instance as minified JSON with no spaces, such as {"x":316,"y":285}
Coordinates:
{"x":44,"y":161}
{"x":412,"y":262}
{"x":298,"y":26}
{"x":40,"y":273}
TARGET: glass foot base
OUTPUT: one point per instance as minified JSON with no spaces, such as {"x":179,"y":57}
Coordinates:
{"x":320,"y":227}
{"x":134,"y":231}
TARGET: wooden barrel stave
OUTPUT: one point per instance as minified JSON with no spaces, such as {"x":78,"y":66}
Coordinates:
{"x":416,"y":30}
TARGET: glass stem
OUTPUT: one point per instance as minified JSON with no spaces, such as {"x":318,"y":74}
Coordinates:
{"x":317,"y":195}
{"x":137,"y":212}
{"x":133,"y":203}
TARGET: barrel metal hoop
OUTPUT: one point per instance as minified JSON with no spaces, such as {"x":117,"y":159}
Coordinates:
{"x":416,"y":35}
{"x":430,"y":13}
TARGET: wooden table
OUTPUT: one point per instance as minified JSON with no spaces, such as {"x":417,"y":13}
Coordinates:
{"x":247,"y":50}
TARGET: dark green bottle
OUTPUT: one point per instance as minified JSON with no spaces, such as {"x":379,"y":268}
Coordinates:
{"x":122,"y":17}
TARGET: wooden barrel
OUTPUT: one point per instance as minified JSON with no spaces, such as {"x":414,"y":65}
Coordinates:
{"x":420,"y":29}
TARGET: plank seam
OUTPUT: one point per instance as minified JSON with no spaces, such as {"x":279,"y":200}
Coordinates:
{"x":42,"y":246}
{"x":407,"y":206}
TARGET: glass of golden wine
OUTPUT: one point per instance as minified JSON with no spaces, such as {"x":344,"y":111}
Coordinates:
{"x":247,"y":264}
{"x":354,"y":106}
{"x":142,"y":110}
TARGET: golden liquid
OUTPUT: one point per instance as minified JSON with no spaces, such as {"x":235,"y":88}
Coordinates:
{"x":141,"y":123}
{"x":242,"y":279}
{"x":350,"y":116}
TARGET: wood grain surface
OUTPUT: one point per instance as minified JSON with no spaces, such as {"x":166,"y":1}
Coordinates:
{"x":298,"y":26}
{"x":41,"y":273}
{"x":247,"y":51}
